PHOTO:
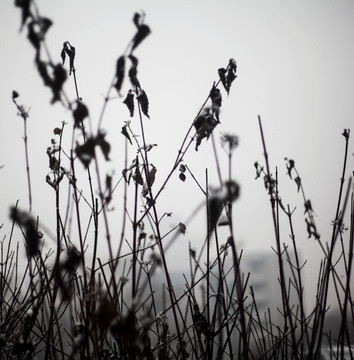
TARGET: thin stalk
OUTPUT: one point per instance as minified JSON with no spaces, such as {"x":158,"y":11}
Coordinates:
{"x":300,"y":288}
{"x":347,"y":295}
{"x":76,"y":87}
{"x":287,"y":310}
{"x":24,"y":114}
{"x":135,"y":228}
{"x":338,"y":216}
{"x":208,"y":344}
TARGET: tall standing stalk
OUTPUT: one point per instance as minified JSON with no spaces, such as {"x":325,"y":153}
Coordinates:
{"x":283,"y":287}
{"x":319,"y":321}
{"x":24,"y":114}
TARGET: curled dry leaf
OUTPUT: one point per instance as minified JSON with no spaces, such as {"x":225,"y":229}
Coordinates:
{"x":290,"y":166}
{"x":182,"y":177}
{"x":152,"y":174}
{"x":57,"y":131}
{"x":129,"y":101}
{"x":86,"y":151}
{"x":69,"y":50}
{"x":37,"y":30}
{"x":142,"y":33}
{"x":120,"y":72}
{"x":25,"y":10}
{"x":216,"y":99}
{"x":204,"y":125}
{"x":126,"y":134}
{"x":144,"y":102}
{"x":298,"y":183}
{"x":137,"y":176}
{"x":80,"y":113}
{"x":227,"y":76}
{"x":53,"y":76}
{"x":136,"y":20}
{"x":182,"y":228}
{"x":29,"y":225}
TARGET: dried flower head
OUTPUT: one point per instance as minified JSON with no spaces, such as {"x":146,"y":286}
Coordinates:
{"x":229,"y":142}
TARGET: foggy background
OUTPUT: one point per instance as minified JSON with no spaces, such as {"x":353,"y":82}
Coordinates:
{"x":295,"y":69}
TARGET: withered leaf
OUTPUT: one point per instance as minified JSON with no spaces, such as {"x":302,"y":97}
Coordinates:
{"x":290,"y":166}
{"x":346,"y":133}
{"x":216,"y":99}
{"x":152,"y":174}
{"x":142,"y":33}
{"x":136,"y":20}
{"x":72,"y":261}
{"x":215,"y":207}
{"x":103,"y":144}
{"x":49,"y":181}
{"x":144,"y":102}
{"x":25,"y":10}
{"x":108,"y":188}
{"x":231,"y":74}
{"x":108,"y":183}
{"x":33,"y":35}
{"x":63,"y":55}
{"x":142,"y":236}
{"x":43,"y":72}
{"x":298,"y":183}
{"x":233,"y":65}
{"x":232,"y":191}
{"x":15,"y":94}
{"x":182,"y":228}
{"x":32,"y":239}
{"x":224,"y":221}
{"x":45,"y":24}
{"x":199,"y":121}
{"x":57,"y":131}
{"x":129,"y":101}
{"x":126,"y":134}
{"x":145,"y":190}
{"x":28,"y":223}
{"x":150,"y":202}
{"x":137,"y":176}
{"x":124,"y":173}
{"x":222,"y":76}
{"x":312,"y":230}
{"x":182,"y":168}
{"x":53,"y":163}
{"x":182,"y":177}
{"x":215,"y":96}
{"x":205,"y":129}
{"x":134,"y":60}
{"x":69,"y":50}
{"x":120,"y":71}
{"x":86,"y":151}
{"x":55,"y":80}
{"x":133,"y":72}
{"x":308,"y":206}
{"x":58,"y":81}
{"x":80,"y":113}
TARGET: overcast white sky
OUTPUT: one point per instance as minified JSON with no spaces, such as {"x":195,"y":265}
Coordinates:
{"x":295,"y":69}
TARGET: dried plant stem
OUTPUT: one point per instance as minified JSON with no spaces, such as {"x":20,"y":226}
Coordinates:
{"x":27,"y":165}
{"x":24,"y":114}
{"x":283,"y":286}
{"x":299,"y":284}
{"x":319,"y":321}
